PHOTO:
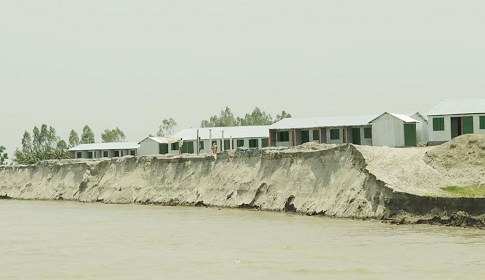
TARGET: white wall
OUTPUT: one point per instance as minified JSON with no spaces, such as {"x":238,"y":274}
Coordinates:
{"x":341,"y":136}
{"x":148,"y":147}
{"x":422,"y":130}
{"x":388,"y":130}
{"x":445,"y":135}
{"x":365,"y":141}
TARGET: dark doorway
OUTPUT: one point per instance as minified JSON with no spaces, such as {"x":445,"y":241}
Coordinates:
{"x":305,"y":136}
{"x":456,"y":129}
{"x":356,"y":136}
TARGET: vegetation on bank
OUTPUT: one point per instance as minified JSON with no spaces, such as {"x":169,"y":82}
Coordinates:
{"x":44,"y":144}
{"x":475,"y":190}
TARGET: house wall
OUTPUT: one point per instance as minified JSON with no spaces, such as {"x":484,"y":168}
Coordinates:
{"x":335,"y":141}
{"x":422,"y":129}
{"x":284,"y":143}
{"x":445,"y":135}
{"x":208,"y":146}
{"x":148,"y":147}
{"x":388,"y":130}
{"x":365,"y":141}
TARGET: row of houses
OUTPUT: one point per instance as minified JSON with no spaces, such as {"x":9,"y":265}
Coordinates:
{"x":448,"y":119}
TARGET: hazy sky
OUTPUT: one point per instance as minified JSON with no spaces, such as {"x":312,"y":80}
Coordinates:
{"x":130,"y":64}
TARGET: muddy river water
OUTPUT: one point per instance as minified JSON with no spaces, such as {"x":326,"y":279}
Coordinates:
{"x":70,"y":240}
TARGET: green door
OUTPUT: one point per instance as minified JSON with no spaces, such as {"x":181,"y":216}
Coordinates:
{"x":468,"y":125}
{"x":356,"y":135}
{"x":188,"y":147}
{"x":410,"y":135}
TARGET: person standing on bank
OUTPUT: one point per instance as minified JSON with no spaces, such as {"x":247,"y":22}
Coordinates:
{"x":181,"y":143}
{"x":214,"y":150}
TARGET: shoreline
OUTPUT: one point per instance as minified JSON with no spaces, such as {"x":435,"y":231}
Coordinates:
{"x":346,"y":181}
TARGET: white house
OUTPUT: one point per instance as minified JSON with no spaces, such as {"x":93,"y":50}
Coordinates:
{"x":422,"y":130}
{"x":454,"y":117}
{"x":224,"y":137}
{"x":331,"y":130}
{"x":104,"y":150}
{"x":394,"y":130}
{"x":153,"y":145}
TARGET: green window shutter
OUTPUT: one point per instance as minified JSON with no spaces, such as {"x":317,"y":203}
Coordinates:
{"x":482,"y":122}
{"x":240,"y":143}
{"x":367,"y":132}
{"x":438,"y":124}
{"x":334,"y":134}
{"x":468,"y":125}
{"x":315,"y":135}
{"x":201,"y":144}
{"x":264,"y":142}
{"x":253,"y":143}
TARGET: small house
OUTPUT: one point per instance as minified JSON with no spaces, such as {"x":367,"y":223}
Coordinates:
{"x":104,"y":150}
{"x":153,"y":145}
{"x":454,"y":117}
{"x":330,"y":130}
{"x":394,"y":130}
{"x":225,"y":138}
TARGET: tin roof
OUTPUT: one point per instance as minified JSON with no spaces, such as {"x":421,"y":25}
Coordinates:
{"x":106,"y":146}
{"x":340,"y":121}
{"x":402,"y":117}
{"x":458,"y":107}
{"x":229,"y":131}
{"x":160,"y":139}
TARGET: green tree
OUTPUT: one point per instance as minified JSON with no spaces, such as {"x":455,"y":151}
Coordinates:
{"x":44,"y":144}
{"x":3,"y":155}
{"x":257,"y":117}
{"x":281,"y":116}
{"x":226,"y":118}
{"x":167,"y":127}
{"x":112,"y":135}
{"x":87,"y":136}
{"x":73,"y":139}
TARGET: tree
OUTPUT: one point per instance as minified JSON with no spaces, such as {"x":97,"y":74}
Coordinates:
{"x":87,"y":136}
{"x":167,"y":127}
{"x":283,"y":115}
{"x":112,"y":135}
{"x":73,"y":139}
{"x":3,"y":156}
{"x":257,"y":117}
{"x":225,"y":119}
{"x":44,"y":144}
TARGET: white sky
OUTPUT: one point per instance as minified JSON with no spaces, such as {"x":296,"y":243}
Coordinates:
{"x":130,"y":64}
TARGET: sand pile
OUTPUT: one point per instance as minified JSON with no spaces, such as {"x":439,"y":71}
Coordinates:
{"x":462,"y":159}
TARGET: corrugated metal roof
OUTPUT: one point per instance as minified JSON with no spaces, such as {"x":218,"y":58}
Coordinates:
{"x":340,"y":121}
{"x":106,"y":146}
{"x":402,"y":117}
{"x":229,"y":131}
{"x":458,"y":107}
{"x":160,"y":139}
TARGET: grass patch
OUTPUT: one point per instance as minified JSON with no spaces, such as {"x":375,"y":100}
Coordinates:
{"x":466,"y":191}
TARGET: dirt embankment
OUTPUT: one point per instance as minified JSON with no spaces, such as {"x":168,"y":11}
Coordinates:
{"x":401,"y":185}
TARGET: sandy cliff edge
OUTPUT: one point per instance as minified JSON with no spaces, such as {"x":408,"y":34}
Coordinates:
{"x":400,"y":185}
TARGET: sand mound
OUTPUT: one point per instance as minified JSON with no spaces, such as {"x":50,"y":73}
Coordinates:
{"x":462,"y":158}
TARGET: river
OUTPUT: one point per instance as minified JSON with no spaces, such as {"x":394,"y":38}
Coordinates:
{"x":71,"y":240}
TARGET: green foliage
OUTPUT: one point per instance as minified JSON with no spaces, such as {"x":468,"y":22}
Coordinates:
{"x":43,"y":145}
{"x":87,"y":136}
{"x":112,"y":135}
{"x":3,"y":156}
{"x":466,"y":191}
{"x":73,"y":139}
{"x":257,"y":117}
{"x":281,"y":116}
{"x":226,"y":118}
{"x":167,"y":127}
